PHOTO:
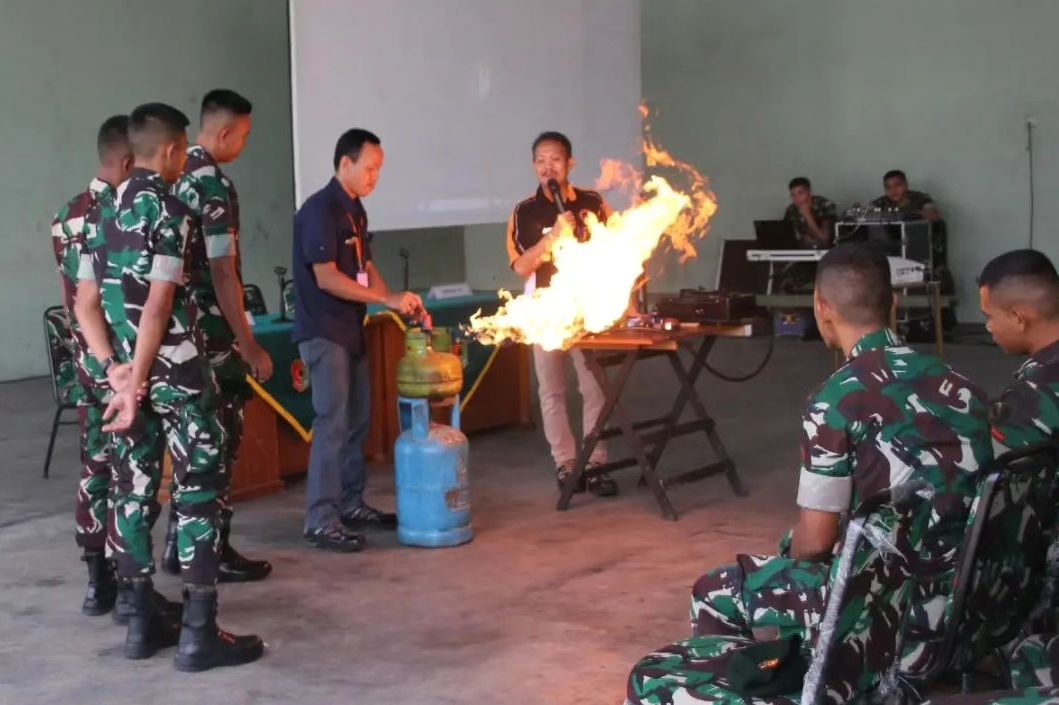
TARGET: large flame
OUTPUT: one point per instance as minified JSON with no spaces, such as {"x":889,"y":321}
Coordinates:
{"x":595,"y":279}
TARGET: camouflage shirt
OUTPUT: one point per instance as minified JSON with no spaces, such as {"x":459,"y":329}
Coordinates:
{"x":889,"y":415}
{"x":147,"y":242}
{"x":76,"y":234}
{"x":211,"y":197}
{"x":1027,"y":412}
{"x":825,"y":213}
{"x":915,"y":202}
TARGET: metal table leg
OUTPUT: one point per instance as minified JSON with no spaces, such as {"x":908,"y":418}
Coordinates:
{"x":688,"y":392}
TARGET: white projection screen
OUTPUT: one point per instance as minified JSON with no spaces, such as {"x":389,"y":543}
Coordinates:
{"x":457,"y":90}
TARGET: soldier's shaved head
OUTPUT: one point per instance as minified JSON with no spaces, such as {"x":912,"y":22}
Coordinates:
{"x":223,"y":104}
{"x":1023,"y":278}
{"x":154,"y":125}
{"x":854,"y":280}
{"x":112,"y":140}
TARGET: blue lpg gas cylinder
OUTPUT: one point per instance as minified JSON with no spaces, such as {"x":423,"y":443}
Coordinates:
{"x":433,"y":487}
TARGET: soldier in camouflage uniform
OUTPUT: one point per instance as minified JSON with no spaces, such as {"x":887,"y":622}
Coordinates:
{"x":74,"y":231}
{"x":888,"y":415}
{"x":1020,"y":299}
{"x":153,"y":322}
{"x":917,"y":205}
{"x":216,"y":289}
{"x":812,"y":216}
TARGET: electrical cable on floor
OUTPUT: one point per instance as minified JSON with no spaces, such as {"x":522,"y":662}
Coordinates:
{"x":750,"y":375}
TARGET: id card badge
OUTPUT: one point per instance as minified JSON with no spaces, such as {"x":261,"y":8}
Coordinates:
{"x":362,"y":279}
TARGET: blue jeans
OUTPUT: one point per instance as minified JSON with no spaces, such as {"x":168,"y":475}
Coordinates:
{"x":341,"y":388}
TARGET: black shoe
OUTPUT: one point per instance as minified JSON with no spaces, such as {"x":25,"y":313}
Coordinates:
{"x":102,"y":590}
{"x":368,"y":517}
{"x":150,"y":629}
{"x":123,"y":607}
{"x":602,"y":485}
{"x":562,"y":472}
{"x":335,"y":538}
{"x":236,"y":568}
{"x":170,"y":558}
{"x":203,"y":645}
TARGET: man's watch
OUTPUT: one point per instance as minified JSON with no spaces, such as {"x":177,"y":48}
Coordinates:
{"x":108,"y":363}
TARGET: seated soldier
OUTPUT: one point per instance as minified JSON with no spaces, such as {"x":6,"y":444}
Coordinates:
{"x":911,"y":205}
{"x":1019,"y":296}
{"x":888,"y":415}
{"x":812,"y":216}
{"x":917,"y":205}
{"x":813,"y":219}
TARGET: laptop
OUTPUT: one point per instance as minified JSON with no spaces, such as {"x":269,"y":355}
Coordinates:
{"x":775,"y":235}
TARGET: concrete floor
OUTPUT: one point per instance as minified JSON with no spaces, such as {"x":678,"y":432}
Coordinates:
{"x":543,"y":607}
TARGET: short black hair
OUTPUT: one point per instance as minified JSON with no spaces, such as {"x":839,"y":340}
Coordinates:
{"x":113,"y":136}
{"x":855,"y":279}
{"x":351,"y":142}
{"x":799,"y":181}
{"x":553,"y":136}
{"x":1018,"y":263}
{"x":223,"y":100}
{"x":1024,"y":276}
{"x":894,"y":174}
{"x":153,"y":124}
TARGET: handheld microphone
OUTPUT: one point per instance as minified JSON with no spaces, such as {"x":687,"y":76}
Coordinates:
{"x":557,"y":195}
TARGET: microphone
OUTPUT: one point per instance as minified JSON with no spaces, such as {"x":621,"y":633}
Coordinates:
{"x":557,"y":195}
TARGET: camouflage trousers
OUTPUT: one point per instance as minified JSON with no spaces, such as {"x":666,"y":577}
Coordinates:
{"x":690,"y":671}
{"x":93,"y":487}
{"x":231,"y":417}
{"x":1035,"y":662}
{"x":761,"y":597}
{"x":195,"y":440}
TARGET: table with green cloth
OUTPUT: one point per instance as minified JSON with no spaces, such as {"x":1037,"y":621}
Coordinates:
{"x":288,"y":393}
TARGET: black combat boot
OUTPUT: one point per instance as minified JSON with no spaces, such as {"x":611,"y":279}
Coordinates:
{"x":170,"y":557}
{"x":150,"y":628}
{"x":235,"y":567}
{"x":203,"y":645}
{"x":102,"y":589}
{"x":123,"y":609}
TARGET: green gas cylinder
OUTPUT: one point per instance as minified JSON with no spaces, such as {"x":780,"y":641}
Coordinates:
{"x":425,"y":372}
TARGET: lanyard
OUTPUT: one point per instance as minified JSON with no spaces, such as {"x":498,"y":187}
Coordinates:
{"x":357,"y":245}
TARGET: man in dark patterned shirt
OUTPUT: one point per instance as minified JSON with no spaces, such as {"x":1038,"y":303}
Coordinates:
{"x":216,"y":289}
{"x":75,"y":230}
{"x":813,"y":216}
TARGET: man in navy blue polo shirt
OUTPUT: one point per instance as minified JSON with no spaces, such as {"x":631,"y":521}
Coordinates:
{"x":334,"y":280}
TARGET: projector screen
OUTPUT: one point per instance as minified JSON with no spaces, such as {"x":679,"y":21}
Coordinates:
{"x":457,"y":90}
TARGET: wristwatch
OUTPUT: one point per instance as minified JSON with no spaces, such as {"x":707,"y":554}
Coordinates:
{"x":108,"y":363}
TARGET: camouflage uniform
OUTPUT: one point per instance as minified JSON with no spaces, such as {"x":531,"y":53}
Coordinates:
{"x":147,"y":241}
{"x":211,"y":197}
{"x":76,"y":234}
{"x":913,"y":207}
{"x":823,"y":210}
{"x":1026,"y":414}
{"x":888,"y":415}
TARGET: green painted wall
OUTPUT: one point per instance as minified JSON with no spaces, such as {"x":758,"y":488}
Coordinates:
{"x":70,"y":64}
{"x":756,"y":92}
